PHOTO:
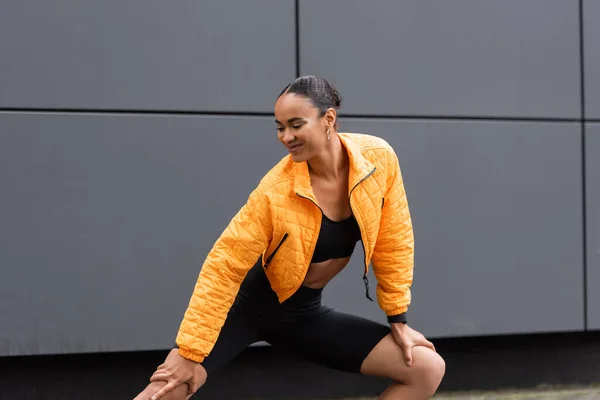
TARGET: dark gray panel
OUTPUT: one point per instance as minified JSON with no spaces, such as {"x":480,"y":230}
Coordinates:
{"x":105,"y":221}
{"x":592,"y":144}
{"x":591,"y":25}
{"x":460,"y":57}
{"x":497,"y":214}
{"x":222,"y":55}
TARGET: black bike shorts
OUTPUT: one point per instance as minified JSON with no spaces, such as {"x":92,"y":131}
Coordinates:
{"x":301,"y":325}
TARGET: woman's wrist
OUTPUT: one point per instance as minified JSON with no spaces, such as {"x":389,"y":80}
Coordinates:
{"x":398,"y":318}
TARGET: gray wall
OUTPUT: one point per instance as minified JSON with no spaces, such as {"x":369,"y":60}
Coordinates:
{"x":592,"y":151}
{"x":490,"y":239}
{"x":215,"y":55}
{"x":591,"y":37}
{"x":593,"y":220}
{"x":115,"y":183}
{"x":504,"y":58}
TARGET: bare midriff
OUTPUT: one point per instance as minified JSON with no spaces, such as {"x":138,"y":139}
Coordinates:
{"x":320,"y":274}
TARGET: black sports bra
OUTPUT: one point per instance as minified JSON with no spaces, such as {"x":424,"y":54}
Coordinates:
{"x":337,"y":239}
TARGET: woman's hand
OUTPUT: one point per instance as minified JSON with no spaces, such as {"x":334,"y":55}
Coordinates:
{"x":179,"y":393}
{"x":407,"y":338}
{"x":178,"y":370}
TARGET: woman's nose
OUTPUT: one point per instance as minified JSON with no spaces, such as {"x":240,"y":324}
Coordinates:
{"x":287,"y":136}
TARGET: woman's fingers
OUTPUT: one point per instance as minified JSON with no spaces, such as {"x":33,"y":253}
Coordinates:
{"x":162,"y":392}
{"x":159,"y":376}
{"x":427,"y":344}
{"x":432,"y":347}
{"x":407,"y":352}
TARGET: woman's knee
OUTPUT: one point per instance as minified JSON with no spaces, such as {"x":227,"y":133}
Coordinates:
{"x":428,"y":369}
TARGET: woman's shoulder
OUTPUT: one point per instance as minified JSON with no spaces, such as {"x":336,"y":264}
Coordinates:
{"x":373,"y":148}
{"x":368,"y":141}
{"x":280,"y":173}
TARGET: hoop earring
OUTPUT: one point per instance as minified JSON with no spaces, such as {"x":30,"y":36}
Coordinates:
{"x":329,"y":133}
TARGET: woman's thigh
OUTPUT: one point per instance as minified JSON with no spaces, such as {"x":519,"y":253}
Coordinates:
{"x":331,"y":338}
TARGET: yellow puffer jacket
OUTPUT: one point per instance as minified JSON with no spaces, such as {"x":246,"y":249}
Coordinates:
{"x":280,"y":222}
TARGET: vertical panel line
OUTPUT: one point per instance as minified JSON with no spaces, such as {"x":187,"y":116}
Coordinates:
{"x":297,"y":22}
{"x":583,"y":161}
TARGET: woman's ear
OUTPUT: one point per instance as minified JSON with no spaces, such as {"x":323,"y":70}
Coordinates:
{"x":331,"y":118}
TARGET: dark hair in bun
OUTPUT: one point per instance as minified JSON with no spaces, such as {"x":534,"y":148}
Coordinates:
{"x":320,"y":92}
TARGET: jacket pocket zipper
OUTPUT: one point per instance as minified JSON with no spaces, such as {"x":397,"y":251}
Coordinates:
{"x":283,"y":239}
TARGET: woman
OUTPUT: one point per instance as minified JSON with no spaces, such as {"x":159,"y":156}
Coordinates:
{"x":302,"y":223}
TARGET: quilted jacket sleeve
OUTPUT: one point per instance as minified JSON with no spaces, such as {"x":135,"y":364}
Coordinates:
{"x":232,"y":256}
{"x":394,"y":251}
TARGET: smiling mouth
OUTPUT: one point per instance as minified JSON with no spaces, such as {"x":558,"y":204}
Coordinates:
{"x":295,"y":148}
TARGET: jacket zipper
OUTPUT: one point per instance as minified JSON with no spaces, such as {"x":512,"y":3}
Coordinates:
{"x":283,"y":239}
{"x":365,"y":278}
{"x":303,"y":197}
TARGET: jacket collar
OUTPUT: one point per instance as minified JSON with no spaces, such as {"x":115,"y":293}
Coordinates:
{"x":360,"y":168}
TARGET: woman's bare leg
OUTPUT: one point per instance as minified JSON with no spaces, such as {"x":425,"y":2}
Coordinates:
{"x":179,"y":393}
{"x":420,"y":381}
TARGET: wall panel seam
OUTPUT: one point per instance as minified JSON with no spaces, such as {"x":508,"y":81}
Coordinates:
{"x":297,"y":33}
{"x":583,"y":162}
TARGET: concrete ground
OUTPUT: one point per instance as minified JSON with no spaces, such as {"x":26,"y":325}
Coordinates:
{"x":587,"y":393}
{"x":557,"y":394}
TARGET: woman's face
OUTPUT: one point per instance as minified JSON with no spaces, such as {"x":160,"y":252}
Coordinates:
{"x":299,"y":126}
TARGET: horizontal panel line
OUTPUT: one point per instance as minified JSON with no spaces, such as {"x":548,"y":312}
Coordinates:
{"x":270,"y":114}
{"x":137,"y":112}
{"x":461,"y":118}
